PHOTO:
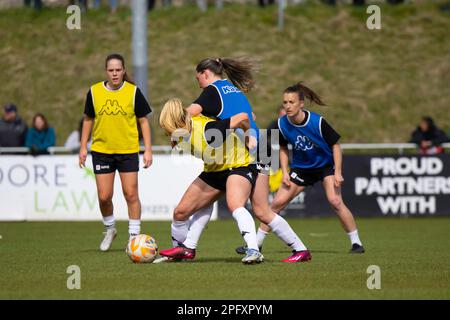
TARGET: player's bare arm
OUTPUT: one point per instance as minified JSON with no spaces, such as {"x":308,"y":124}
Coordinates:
{"x":86,"y":132}
{"x":145,"y":127}
{"x":337,"y":157}
{"x":284,"y":163}
{"x":194,"y":109}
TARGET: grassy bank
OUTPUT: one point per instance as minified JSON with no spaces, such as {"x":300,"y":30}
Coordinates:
{"x":377,"y":83}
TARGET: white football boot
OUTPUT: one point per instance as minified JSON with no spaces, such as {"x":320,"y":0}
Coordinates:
{"x":253,"y":256}
{"x":110,"y":235}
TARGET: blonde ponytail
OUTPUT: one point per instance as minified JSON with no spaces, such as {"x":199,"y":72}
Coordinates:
{"x":174,"y":117}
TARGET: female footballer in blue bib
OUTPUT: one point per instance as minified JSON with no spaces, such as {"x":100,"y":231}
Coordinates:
{"x":222,"y":99}
{"x":316,"y":157}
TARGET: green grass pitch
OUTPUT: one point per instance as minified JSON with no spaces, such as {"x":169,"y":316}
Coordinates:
{"x":413,"y":255}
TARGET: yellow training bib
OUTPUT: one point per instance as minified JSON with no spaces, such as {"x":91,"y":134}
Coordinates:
{"x":231,"y":154}
{"x":115,"y":127}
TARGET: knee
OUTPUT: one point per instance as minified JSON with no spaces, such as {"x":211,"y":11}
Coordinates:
{"x":105,"y":199}
{"x":260,"y":206}
{"x":335,"y":202}
{"x":131,"y":197}
{"x":259,"y":212}
{"x":265,"y":216}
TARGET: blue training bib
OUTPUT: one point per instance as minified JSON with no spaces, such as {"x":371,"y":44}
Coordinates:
{"x":233,"y":102}
{"x":310,"y":150}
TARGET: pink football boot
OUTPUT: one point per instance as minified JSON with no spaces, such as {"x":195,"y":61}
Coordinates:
{"x":299,"y":256}
{"x":179,"y":252}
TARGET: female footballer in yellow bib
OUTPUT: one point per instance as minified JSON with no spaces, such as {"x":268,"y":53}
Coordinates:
{"x":223,"y":98}
{"x":228,"y":168}
{"x":114,"y":108}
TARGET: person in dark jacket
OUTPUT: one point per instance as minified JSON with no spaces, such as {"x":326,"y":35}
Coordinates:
{"x":12,"y":128}
{"x":40,"y":137}
{"x":37,"y":4}
{"x":428,"y":137}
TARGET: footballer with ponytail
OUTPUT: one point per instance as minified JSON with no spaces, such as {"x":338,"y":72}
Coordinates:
{"x":239,"y":71}
{"x":224,"y":82}
{"x":317,"y":157}
{"x":305,"y":92}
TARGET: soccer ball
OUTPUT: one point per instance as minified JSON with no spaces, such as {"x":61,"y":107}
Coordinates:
{"x":142,"y":249}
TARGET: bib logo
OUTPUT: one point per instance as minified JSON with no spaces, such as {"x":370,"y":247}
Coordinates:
{"x":230,"y":89}
{"x":303,"y":143}
{"x":111,"y":108}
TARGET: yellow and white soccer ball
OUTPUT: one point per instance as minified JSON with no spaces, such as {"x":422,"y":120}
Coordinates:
{"x":142,"y":249}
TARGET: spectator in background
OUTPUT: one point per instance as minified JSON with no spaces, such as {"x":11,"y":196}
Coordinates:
{"x":330,"y":2}
{"x":428,"y":137}
{"x":12,"y":128}
{"x":40,"y":136}
{"x":151,"y":4}
{"x":81,"y":3}
{"x":263,"y":3}
{"x":114,"y":4}
{"x":37,"y":4}
{"x":73,"y":141}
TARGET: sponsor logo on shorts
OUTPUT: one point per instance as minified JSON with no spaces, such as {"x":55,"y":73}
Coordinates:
{"x":296,"y":177}
{"x":250,"y":175}
{"x":263,"y":168}
{"x":99,"y":167}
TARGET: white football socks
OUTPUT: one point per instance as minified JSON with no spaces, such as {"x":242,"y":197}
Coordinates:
{"x":260,"y":236}
{"x":109,"y":222}
{"x":354,"y":238}
{"x":198,"y":222}
{"x":134,"y":227}
{"x":284,"y":231}
{"x":246,"y":226}
{"x":179,"y":231}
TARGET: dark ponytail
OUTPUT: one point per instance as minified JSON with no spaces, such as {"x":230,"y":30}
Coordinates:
{"x":305,"y":92}
{"x":239,"y":71}
{"x":117,"y":56}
